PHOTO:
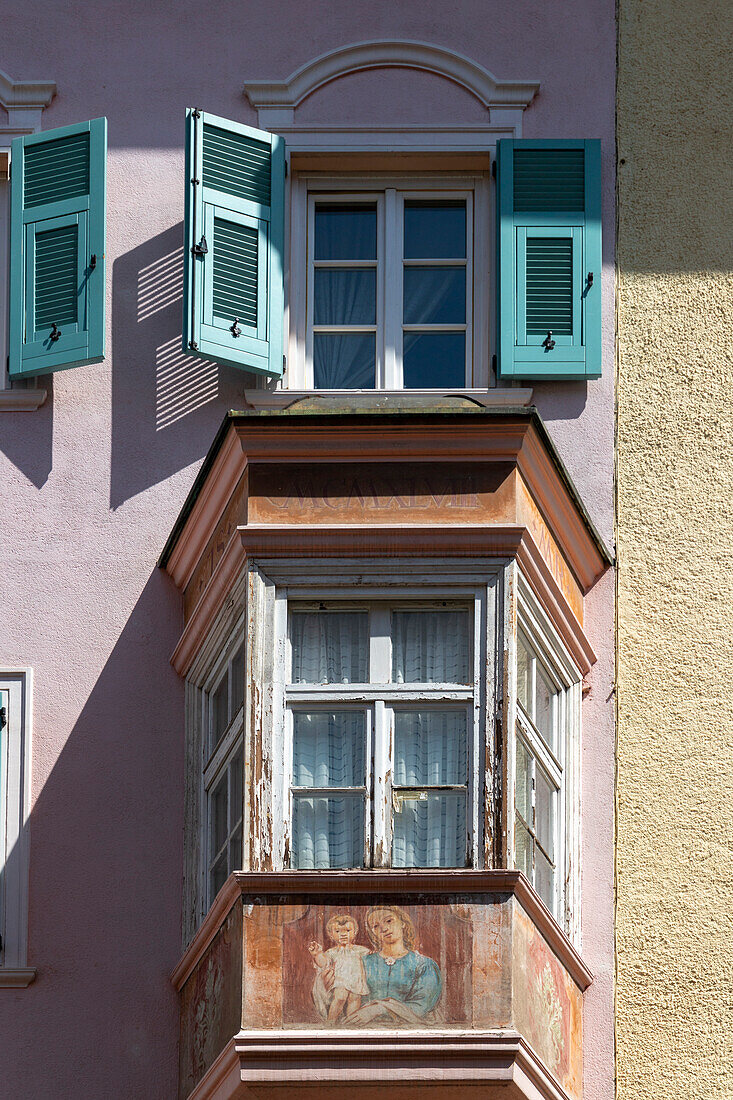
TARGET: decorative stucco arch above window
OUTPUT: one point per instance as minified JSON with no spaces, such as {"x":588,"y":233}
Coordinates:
{"x":501,"y":101}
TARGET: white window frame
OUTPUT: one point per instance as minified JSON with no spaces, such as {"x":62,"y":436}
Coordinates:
{"x":15,"y":794}
{"x":561,"y":763}
{"x":380,"y":700}
{"x":390,"y":193}
{"x":362,"y":581}
{"x":217,"y":757}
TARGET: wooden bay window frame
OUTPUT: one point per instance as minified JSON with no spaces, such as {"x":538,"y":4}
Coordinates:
{"x":380,"y":700}
{"x":502,"y":603}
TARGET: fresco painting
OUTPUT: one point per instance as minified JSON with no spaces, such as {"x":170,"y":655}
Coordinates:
{"x":378,"y":965}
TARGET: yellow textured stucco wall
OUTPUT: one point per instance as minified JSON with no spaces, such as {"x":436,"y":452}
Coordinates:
{"x":674,"y":537}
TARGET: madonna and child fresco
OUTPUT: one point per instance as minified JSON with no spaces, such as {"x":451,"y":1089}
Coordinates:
{"x":389,"y":981}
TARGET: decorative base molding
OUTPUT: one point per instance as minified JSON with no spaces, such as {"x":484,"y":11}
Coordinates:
{"x":443,"y":1060}
{"x":16,"y":978}
{"x":497,"y":398}
{"x":22,"y":400}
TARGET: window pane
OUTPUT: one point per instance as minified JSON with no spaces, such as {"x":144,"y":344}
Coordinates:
{"x":344,"y":361}
{"x":433,"y":360}
{"x":430,"y":748}
{"x":235,"y":850}
{"x":522,"y":849}
{"x":328,"y":749}
{"x":330,"y":647}
{"x":328,"y":832}
{"x":218,"y":875}
{"x":434,"y":296}
{"x":523,"y":675}
{"x":429,"y":831}
{"x":435,"y":230}
{"x":345,"y":232}
{"x":219,"y":823}
{"x":544,"y":879}
{"x":236,"y":779}
{"x":237,"y":675}
{"x":545,"y":693}
{"x":219,"y":711}
{"x":345,"y":297}
{"x":523,"y":787}
{"x":545,"y":813}
{"x":430,"y":647}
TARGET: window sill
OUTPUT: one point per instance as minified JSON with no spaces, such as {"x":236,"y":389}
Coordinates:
{"x":22,"y":400}
{"x":499,"y":397}
{"x":17,"y":978}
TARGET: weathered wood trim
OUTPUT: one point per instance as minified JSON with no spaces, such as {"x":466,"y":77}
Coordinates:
{"x":416,"y":883}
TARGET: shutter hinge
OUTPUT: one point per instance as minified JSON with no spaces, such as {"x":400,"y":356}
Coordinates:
{"x":196,"y":113}
{"x":493,"y":169}
{"x":3,"y":718}
{"x":286,"y":169}
{"x":493,"y":363}
{"x":193,"y":345}
{"x":200,"y":249}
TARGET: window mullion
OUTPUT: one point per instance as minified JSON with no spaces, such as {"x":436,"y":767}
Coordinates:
{"x":382,"y":785}
{"x":392,"y":279}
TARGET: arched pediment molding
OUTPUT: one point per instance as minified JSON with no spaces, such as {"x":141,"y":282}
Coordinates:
{"x":270,"y":96}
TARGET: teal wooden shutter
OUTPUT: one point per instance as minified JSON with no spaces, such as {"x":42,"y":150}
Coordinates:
{"x":233,"y":249}
{"x":549,"y":259}
{"x":57,"y":244}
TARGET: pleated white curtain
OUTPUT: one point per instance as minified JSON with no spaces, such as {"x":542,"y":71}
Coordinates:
{"x":430,"y":647}
{"x":330,"y":647}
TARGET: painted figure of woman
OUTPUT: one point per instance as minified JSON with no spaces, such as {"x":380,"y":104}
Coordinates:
{"x":404,"y":986}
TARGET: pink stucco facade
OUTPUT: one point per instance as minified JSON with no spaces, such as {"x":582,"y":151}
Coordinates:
{"x":93,"y":480}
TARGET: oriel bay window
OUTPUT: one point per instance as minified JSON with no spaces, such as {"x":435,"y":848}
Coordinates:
{"x":381,"y":708}
{"x":388,"y":719}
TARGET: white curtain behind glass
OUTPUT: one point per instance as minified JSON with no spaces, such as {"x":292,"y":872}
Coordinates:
{"x":430,"y":748}
{"x":328,"y":832}
{"x":328,"y":749}
{"x":330,"y":647}
{"x":430,"y":647}
{"x":430,"y":832}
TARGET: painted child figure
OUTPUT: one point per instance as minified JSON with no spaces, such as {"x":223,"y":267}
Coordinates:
{"x":344,"y":960}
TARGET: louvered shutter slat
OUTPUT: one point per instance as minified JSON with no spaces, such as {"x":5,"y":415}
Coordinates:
{"x":233,"y":300}
{"x":57,"y":295}
{"x":549,"y":241}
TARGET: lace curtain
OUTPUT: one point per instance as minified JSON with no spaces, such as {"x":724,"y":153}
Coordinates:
{"x":430,"y":647}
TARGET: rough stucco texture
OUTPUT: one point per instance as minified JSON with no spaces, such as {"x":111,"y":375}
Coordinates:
{"x":675,"y":607}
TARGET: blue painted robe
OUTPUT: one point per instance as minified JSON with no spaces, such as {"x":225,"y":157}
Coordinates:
{"x":414,"y":979}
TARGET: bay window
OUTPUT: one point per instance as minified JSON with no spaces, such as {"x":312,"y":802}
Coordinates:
{"x":381,"y":716}
{"x":380,"y":713}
